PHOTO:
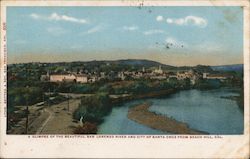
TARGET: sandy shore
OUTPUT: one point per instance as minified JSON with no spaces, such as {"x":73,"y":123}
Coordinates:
{"x":142,"y":115}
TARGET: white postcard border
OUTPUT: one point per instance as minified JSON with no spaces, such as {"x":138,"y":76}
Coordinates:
{"x":93,"y":146}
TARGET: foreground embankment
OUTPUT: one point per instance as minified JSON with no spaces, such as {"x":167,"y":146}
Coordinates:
{"x":142,"y":115}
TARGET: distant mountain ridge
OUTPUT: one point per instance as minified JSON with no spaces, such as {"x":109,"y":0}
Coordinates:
{"x":146,"y":63}
{"x":149,"y":63}
{"x":235,"y":67}
{"x":127,"y":62}
{"x":139,"y":63}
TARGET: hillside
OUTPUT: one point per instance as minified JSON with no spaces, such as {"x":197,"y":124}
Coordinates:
{"x":237,"y":67}
{"x":129,"y":65}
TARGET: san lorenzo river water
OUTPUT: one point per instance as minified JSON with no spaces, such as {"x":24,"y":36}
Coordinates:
{"x":201,"y":110}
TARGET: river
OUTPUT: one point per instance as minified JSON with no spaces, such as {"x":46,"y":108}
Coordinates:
{"x":201,"y":110}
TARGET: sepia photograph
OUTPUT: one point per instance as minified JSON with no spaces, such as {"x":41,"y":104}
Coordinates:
{"x":131,"y":70}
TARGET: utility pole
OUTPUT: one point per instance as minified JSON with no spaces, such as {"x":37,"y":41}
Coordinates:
{"x":27,"y":110}
{"x":68,"y":102}
{"x":27,"y":102}
{"x":68,"y":98}
{"x":27,"y":119}
{"x":49,"y":98}
{"x":43,"y":99}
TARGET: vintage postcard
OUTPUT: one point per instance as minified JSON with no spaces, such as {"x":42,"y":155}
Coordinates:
{"x":151,"y":79}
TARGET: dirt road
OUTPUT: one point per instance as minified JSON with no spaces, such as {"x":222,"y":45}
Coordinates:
{"x":59,"y":120}
{"x":50,"y":117}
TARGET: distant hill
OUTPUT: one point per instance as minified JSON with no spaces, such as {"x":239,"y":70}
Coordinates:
{"x":139,"y":63}
{"x":237,"y":67}
{"x":136,"y":63}
{"x":132,"y":64}
{"x":142,"y":63}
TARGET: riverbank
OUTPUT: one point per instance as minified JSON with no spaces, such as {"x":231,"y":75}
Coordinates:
{"x":100,"y":105}
{"x":152,"y":94}
{"x":239,"y":99}
{"x":142,"y":115}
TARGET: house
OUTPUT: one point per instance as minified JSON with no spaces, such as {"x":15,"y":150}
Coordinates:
{"x":62,"y":78}
{"x":81,"y":78}
{"x":182,"y":75}
{"x":137,"y":75}
{"x":102,"y":75}
{"x":193,"y":79}
{"x":121,"y":75}
{"x":220,"y":77}
{"x":45,"y":77}
{"x":204,"y":75}
{"x":68,"y":78}
{"x":92,"y":79}
{"x":159,"y":70}
{"x":187,"y":74}
{"x":159,"y":77}
{"x":171,"y":75}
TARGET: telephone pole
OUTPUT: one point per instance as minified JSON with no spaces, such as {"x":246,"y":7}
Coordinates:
{"x":68,"y":97}
{"x":27,"y":114}
{"x":27,"y":119}
{"x":68,"y":102}
{"x":49,"y":98}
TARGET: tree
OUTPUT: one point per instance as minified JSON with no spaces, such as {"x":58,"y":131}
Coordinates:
{"x":87,"y":128}
{"x":106,"y":88}
{"x":93,"y":108}
{"x":173,"y":82}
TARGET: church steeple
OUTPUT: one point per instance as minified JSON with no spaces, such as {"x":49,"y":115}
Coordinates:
{"x":143,"y":69}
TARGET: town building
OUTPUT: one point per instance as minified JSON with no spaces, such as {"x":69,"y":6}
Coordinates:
{"x":159,"y":70}
{"x":62,"y":78}
{"x":45,"y":77}
{"x":183,"y":75}
{"x":121,"y":75}
{"x":92,"y":79}
{"x":220,"y":77}
{"x":81,"y":78}
{"x":143,"y":69}
{"x":159,"y":77}
{"x":66,"y":78}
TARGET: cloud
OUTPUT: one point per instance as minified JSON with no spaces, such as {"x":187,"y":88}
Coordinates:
{"x":58,"y":17}
{"x":156,"y":31}
{"x":130,"y":28}
{"x":94,"y":29}
{"x":159,"y":18}
{"x":171,"y":40}
{"x":35,"y":16}
{"x":56,"y":31}
{"x":188,"y":20}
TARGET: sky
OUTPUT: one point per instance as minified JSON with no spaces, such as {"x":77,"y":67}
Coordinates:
{"x":171,"y":35}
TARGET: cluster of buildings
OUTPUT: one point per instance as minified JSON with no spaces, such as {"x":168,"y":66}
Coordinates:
{"x":157,"y":73}
{"x":68,"y":77}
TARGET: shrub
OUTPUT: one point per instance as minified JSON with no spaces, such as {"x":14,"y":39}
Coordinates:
{"x":87,"y":128}
{"x":93,"y":108}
